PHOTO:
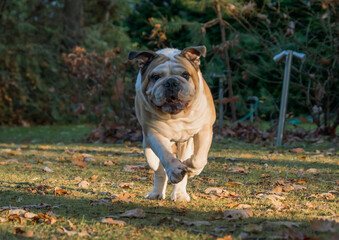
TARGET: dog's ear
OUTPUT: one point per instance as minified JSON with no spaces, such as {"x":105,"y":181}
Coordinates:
{"x":143,"y":57}
{"x":193,"y":54}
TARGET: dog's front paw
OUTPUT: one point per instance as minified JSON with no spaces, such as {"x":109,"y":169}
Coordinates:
{"x":176,"y":172}
{"x":155,"y":195}
{"x":180,"y":197}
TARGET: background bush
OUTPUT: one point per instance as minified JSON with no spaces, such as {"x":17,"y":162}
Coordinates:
{"x":44,"y":79}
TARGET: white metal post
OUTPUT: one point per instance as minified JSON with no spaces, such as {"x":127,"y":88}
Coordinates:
{"x":284,"y":96}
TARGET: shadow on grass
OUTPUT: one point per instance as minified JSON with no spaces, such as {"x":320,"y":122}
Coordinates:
{"x":279,"y":162}
{"x":158,"y":218}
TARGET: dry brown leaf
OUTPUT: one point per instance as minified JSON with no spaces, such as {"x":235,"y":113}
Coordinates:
{"x":60,"y":191}
{"x":134,"y":213}
{"x":43,"y":147}
{"x":71,"y":225}
{"x":213,"y":190}
{"x":119,"y":223}
{"x":277,"y":189}
{"x":109,"y":163}
{"x":296,"y":150}
{"x":243,"y":206}
{"x":238,"y":170}
{"x":2,"y":220}
{"x":134,"y":168}
{"x":265,"y":175}
{"x":83,"y":184}
{"x":9,"y":161}
{"x":94,"y":177}
{"x":238,"y":214}
{"x":69,"y":233}
{"x":30,"y":215}
{"x":22,"y":233}
{"x":312,"y":171}
{"x":276,"y":203}
{"x":47,"y":169}
{"x":19,"y":212}
{"x":14,"y":153}
{"x":124,"y":197}
{"x":126,"y":185}
{"x":228,"y":237}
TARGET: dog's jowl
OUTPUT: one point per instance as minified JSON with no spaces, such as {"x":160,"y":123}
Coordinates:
{"x":175,"y":109}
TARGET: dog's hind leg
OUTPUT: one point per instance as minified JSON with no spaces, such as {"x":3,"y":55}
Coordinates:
{"x":160,"y":176}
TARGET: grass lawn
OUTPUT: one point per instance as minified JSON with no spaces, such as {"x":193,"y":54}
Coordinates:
{"x":245,"y":192}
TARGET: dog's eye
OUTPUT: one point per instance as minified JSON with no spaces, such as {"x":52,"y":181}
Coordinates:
{"x":185,"y":75}
{"x":155,"y":77}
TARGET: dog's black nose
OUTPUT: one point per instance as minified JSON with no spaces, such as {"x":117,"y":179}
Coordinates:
{"x":171,"y":83}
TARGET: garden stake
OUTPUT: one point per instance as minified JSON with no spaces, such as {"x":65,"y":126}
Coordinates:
{"x":287,"y":73}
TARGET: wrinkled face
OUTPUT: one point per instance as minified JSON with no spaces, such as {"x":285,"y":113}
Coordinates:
{"x":171,"y":85}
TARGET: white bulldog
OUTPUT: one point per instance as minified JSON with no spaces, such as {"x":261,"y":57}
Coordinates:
{"x":175,"y":109}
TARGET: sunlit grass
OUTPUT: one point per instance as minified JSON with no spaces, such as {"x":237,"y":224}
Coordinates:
{"x":163,"y":218}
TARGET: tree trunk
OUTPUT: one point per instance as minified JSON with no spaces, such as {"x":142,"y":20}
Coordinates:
{"x":73,"y":22}
{"x":227,"y":60}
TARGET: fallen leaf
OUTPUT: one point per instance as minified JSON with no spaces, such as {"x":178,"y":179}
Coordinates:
{"x":134,"y":168}
{"x":238,"y":170}
{"x":60,"y":191}
{"x":47,"y":169}
{"x":94,"y":177}
{"x":119,"y":223}
{"x":228,"y":237}
{"x":277,"y":189}
{"x":312,"y":171}
{"x":71,"y":225}
{"x":213,"y":190}
{"x":243,"y":206}
{"x":83,"y":184}
{"x":23,"y":233}
{"x":69,"y":233}
{"x":265,"y":175}
{"x":2,"y":220}
{"x":30,"y":215}
{"x":238,"y":214}
{"x":298,"y":187}
{"x":109,"y":163}
{"x":9,"y":161}
{"x":20,"y":212}
{"x":276,"y":203}
{"x":134,"y":213}
{"x":124,"y":197}
{"x":296,"y":150}
{"x":126,"y":185}
{"x":14,"y":153}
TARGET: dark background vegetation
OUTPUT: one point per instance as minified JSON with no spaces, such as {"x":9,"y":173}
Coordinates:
{"x":65,"y":61}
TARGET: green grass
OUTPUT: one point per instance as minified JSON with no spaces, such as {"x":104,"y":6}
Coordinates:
{"x":55,"y":146}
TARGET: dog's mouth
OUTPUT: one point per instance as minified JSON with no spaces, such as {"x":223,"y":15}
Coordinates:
{"x":174,"y":106}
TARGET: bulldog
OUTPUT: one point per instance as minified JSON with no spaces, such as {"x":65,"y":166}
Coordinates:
{"x":175,"y":109}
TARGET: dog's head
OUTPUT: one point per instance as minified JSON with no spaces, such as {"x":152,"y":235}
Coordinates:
{"x":169,"y":77}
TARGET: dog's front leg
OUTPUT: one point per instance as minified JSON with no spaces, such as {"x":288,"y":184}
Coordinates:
{"x":160,"y":177}
{"x":162,"y":147}
{"x":202,"y":143}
